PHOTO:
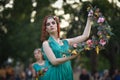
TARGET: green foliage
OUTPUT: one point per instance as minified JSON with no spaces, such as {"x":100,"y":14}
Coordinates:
{"x":22,"y":36}
{"x":103,"y":63}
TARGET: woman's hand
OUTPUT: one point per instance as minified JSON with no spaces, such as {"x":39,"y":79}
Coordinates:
{"x":74,"y":56}
{"x":86,"y":31}
{"x":90,"y":13}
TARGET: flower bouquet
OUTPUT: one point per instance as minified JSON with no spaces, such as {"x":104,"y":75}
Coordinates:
{"x":98,"y":40}
{"x":41,"y":72}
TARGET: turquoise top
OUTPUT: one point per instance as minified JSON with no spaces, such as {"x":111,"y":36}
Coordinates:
{"x":62,"y":71}
{"x":38,"y":67}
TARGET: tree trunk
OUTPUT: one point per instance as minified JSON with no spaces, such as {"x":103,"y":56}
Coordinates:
{"x":94,"y":61}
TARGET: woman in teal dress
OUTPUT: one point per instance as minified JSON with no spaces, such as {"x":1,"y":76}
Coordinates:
{"x":40,"y":66}
{"x":55,"y":51}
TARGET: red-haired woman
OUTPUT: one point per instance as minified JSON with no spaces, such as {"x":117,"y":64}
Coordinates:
{"x":55,"y":51}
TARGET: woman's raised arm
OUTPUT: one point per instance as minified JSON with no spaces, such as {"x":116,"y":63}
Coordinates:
{"x":85,"y":34}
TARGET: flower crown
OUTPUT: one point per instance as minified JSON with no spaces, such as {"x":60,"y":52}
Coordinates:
{"x":99,"y":39}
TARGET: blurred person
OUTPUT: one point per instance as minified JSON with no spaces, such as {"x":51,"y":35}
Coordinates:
{"x":84,"y":75}
{"x":106,"y":75}
{"x":17,"y":70}
{"x":29,"y":72}
{"x":116,"y":75}
{"x":22,"y":75}
{"x":10,"y":73}
{"x":40,"y":66}
{"x":2,"y":73}
{"x":96,"y":76}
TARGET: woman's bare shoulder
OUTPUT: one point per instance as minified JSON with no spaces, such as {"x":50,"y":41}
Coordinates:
{"x":34,"y":63}
{"x":45,"y":42}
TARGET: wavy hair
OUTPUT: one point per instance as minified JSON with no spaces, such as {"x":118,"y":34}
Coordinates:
{"x":45,"y":34}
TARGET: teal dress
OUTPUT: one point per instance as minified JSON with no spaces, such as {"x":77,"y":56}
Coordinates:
{"x":62,"y":71}
{"x":41,"y":69}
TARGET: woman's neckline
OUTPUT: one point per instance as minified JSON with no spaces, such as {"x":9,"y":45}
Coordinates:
{"x":60,"y":43}
{"x":41,"y":64}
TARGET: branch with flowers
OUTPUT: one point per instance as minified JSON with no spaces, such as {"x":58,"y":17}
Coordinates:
{"x":98,"y":40}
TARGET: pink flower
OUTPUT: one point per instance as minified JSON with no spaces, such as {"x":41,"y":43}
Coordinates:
{"x":74,"y":45}
{"x":101,"y":20}
{"x":102,"y":42}
{"x":89,"y":42}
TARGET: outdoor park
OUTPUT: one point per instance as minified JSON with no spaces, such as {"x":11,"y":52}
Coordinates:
{"x":21,"y":27}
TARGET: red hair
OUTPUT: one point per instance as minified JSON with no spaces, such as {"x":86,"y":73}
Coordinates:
{"x":44,"y":32}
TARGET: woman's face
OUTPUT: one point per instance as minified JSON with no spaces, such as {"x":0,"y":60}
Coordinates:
{"x":51,"y":25}
{"x":38,"y":54}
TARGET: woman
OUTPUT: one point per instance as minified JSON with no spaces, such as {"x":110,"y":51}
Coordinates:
{"x":56,"y":50}
{"x":40,"y":66}
{"x":96,"y":76}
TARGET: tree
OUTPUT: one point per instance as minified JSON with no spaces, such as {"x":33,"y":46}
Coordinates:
{"x":22,"y":35}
